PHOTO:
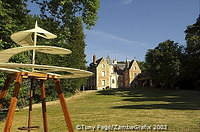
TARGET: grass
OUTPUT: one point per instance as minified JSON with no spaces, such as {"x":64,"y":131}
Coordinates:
{"x":179,"y":110}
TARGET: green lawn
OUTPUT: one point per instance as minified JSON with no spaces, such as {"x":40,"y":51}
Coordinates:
{"x":179,"y":110}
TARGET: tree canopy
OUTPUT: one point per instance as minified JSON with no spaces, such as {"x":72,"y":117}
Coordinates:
{"x":65,"y":18}
{"x":164,"y":63}
{"x":191,"y":60}
{"x":172,"y":65}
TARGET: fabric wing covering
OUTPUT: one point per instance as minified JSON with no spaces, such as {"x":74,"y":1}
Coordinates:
{"x":24,"y":38}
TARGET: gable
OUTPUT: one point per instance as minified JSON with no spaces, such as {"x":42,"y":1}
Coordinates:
{"x":101,"y":62}
{"x":134,"y":66}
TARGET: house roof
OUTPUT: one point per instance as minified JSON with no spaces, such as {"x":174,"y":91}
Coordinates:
{"x":124,"y":65}
{"x":119,"y":67}
{"x":130,"y":64}
{"x":92,"y":65}
{"x":99,"y":60}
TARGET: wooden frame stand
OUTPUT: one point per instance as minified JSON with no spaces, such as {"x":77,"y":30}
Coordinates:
{"x":18,"y":77}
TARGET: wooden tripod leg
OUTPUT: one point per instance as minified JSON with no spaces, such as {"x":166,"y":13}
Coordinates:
{"x":4,"y":90}
{"x":64,"y":105}
{"x":44,"y":114}
{"x":13,"y":103}
{"x":30,"y":104}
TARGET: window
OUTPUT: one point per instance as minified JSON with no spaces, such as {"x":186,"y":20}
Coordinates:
{"x":103,"y":73}
{"x":103,"y":82}
{"x":103,"y":65}
{"x":113,"y":80}
{"x":112,"y":70}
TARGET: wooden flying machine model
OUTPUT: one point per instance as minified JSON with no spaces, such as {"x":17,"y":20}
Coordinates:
{"x":16,"y":72}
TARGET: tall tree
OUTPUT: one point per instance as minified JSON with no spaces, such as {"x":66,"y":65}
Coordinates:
{"x":13,"y":16}
{"x":71,"y":16}
{"x":191,"y":60}
{"x":193,"y":38}
{"x":163,"y":63}
{"x":65,"y":18}
{"x":64,"y":11}
{"x":142,"y":65}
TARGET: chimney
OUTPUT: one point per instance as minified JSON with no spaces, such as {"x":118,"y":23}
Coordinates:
{"x":94,"y":59}
{"x":127,"y":63}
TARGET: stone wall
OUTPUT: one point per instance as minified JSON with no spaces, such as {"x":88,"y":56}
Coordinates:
{"x":103,"y":74}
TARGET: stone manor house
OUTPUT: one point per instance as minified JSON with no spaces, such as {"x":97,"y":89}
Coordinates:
{"x":112,"y":74}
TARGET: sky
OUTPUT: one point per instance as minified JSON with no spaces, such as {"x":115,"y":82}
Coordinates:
{"x":126,"y":29}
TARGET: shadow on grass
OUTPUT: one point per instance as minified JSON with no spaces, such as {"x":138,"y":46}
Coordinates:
{"x":151,"y":98}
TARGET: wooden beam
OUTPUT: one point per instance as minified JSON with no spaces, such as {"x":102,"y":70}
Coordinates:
{"x":4,"y":90}
{"x":39,"y":76}
{"x":13,"y":103}
{"x":35,"y":74}
{"x":30,"y":104}
{"x":44,"y":110}
{"x":64,"y":105}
